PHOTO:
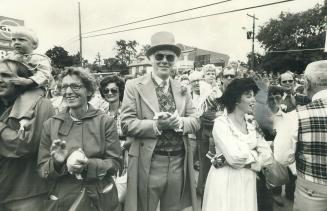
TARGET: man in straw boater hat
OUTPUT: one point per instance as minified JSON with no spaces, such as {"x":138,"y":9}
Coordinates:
{"x":157,"y":115}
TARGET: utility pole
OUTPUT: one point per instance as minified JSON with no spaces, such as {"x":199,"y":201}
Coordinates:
{"x":253,"y":35}
{"x":80,"y":35}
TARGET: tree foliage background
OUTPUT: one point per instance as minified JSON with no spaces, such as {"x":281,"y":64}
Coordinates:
{"x":60,"y":57}
{"x":304,"y":30}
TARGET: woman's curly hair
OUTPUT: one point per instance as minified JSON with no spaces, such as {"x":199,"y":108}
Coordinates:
{"x":86,"y":77}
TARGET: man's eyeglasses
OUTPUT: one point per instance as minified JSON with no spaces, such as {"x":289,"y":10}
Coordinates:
{"x":287,"y":81}
{"x":195,"y":81}
{"x":73,"y":86}
{"x":228,"y":76}
{"x":113,"y":91}
{"x":160,"y":57}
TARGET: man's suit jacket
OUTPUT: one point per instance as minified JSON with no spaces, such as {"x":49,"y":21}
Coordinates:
{"x":138,"y":109}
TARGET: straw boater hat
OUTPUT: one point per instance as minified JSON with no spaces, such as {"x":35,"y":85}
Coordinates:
{"x":163,"y":41}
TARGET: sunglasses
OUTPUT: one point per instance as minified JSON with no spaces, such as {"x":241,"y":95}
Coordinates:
{"x":113,"y":91}
{"x":288,"y":81}
{"x":160,"y":57}
{"x":73,"y":86}
{"x":229,"y":76}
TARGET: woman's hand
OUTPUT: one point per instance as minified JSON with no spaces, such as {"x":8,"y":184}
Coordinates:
{"x":58,"y":151}
{"x":76,"y":162}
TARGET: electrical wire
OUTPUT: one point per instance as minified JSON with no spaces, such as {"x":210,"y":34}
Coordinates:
{"x":188,"y":19}
{"x":160,"y":16}
{"x":151,"y":18}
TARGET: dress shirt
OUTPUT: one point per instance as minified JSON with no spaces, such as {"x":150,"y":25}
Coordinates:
{"x":286,"y":139}
{"x":160,"y":81}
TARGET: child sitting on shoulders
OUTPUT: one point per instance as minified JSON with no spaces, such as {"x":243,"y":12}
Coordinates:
{"x":24,"y":42}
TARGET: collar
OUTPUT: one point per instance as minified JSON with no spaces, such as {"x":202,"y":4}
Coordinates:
{"x":319,"y":95}
{"x":285,"y":95}
{"x":65,"y":115}
{"x":74,"y":118}
{"x":159,"y":80}
{"x":279,"y":112}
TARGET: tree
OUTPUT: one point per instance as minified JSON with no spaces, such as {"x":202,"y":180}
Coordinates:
{"x":125,"y":51}
{"x":304,"y":30}
{"x":144,"y":49}
{"x":60,"y":57}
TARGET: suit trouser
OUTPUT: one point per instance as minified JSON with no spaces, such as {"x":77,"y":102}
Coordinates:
{"x":31,"y":204}
{"x":310,"y":196}
{"x":205,"y":165}
{"x":166,"y":182}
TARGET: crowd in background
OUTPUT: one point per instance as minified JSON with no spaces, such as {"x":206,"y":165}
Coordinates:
{"x":86,"y":143}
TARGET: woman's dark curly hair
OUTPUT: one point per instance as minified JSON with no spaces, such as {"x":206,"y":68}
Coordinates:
{"x":120,"y":83}
{"x":235,"y":90}
{"x":86,"y":77}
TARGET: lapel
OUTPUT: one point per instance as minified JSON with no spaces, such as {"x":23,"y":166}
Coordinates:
{"x":147,"y":91}
{"x":178,"y":97}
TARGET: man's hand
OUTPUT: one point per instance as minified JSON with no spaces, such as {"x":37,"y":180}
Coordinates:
{"x":169,"y":122}
{"x":21,"y":81}
{"x":58,"y":151}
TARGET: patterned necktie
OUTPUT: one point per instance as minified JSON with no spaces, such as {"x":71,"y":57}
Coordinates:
{"x":164,"y":86}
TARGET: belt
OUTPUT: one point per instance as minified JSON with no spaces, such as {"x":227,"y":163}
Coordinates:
{"x":170,"y":153}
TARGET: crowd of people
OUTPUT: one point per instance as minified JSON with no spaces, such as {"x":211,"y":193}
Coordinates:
{"x":83,"y":144}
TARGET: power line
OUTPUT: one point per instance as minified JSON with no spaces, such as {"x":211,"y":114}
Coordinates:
{"x":160,"y":16}
{"x":297,"y":50}
{"x":156,"y":17}
{"x":187,"y":19}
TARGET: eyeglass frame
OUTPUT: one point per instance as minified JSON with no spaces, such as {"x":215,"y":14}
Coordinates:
{"x":64,"y":87}
{"x":288,"y":81}
{"x":164,"y":56}
{"x":112,"y":90}
{"x":229,"y":76}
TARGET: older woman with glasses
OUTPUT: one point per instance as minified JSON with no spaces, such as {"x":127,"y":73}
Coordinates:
{"x":241,"y":152}
{"x":79,"y":150}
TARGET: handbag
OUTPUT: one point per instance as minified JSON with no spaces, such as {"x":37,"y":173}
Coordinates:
{"x":81,"y":202}
{"x":276,"y":174}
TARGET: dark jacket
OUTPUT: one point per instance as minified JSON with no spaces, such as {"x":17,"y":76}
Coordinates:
{"x":96,"y":134}
{"x":18,"y":154}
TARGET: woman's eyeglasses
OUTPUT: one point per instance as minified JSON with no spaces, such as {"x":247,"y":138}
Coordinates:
{"x":113,"y":91}
{"x":73,"y":86}
{"x":160,"y":57}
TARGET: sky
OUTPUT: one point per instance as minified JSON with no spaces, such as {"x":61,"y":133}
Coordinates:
{"x":56,"y":22}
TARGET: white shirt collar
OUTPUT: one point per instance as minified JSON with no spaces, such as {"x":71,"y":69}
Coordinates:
{"x":159,"y":80}
{"x":320,"y":94}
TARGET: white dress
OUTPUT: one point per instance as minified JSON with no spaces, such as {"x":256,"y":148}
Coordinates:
{"x":233,"y":187}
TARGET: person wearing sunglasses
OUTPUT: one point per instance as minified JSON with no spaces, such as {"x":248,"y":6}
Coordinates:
{"x":80,"y":150}
{"x":157,"y":114}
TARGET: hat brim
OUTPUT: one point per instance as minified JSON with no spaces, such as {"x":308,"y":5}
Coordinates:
{"x":173,"y":48}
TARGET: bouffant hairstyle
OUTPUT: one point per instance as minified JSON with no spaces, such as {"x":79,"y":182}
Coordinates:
{"x":235,"y":90}
{"x":120,"y":83}
{"x":86,"y":77}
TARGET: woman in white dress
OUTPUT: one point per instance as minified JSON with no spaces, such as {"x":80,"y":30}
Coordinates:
{"x":232,"y":185}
